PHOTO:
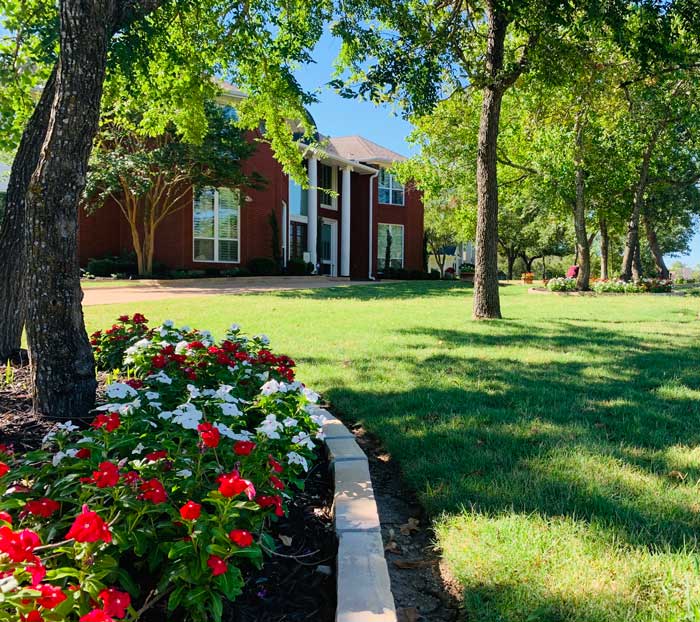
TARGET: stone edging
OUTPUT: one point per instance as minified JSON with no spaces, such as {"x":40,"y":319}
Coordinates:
{"x":364,"y":588}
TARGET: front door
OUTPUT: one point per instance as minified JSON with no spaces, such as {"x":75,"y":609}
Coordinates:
{"x":329,"y":247}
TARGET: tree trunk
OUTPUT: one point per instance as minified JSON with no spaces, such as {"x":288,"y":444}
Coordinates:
{"x":661,"y":267}
{"x":511,"y":263}
{"x":63,"y":368}
{"x":487,"y":304}
{"x":583,"y":249}
{"x":604,"y":249}
{"x":12,"y":239}
{"x":544,"y":268}
{"x":637,"y":262}
{"x":632,"y":238}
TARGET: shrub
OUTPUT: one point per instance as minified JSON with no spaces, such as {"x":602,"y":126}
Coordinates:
{"x":106,"y":266}
{"x":467,"y":267}
{"x":235,"y":272}
{"x":168,"y":493}
{"x":561,"y":284}
{"x":298,"y":267}
{"x":657,"y":286}
{"x":616,"y":286}
{"x":262,"y":266}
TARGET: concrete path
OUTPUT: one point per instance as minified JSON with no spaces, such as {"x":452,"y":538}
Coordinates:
{"x":189,"y":288}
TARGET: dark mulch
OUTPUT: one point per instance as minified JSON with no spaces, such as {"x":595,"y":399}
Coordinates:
{"x":297,"y":581}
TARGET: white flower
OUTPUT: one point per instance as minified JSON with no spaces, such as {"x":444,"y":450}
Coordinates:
{"x":119,"y":390}
{"x":224,"y":393}
{"x":187,"y":416}
{"x":310,"y":395}
{"x":224,"y":430}
{"x":264,"y":339}
{"x":68,"y":426}
{"x":60,"y":455}
{"x":141,"y":344}
{"x":181,"y":347}
{"x":152,"y":395}
{"x":230,"y":410}
{"x":184,"y":473}
{"x":85,"y":439}
{"x":294,"y":458}
{"x":304,"y":440}
{"x":269,"y":427}
{"x":138,"y":450}
{"x":234,"y":328}
{"x":166,"y":414}
{"x":185,"y":329}
{"x":194,"y":391}
{"x":289,"y":422}
{"x":243,"y":435}
{"x":320,"y":435}
{"x":263,"y":377}
{"x":317,"y":417}
{"x":272,"y":386}
{"x":161,"y":376}
{"x":168,"y":323}
{"x":8,"y":584}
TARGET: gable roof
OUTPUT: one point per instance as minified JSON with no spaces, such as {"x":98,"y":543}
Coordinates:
{"x":361,"y":149}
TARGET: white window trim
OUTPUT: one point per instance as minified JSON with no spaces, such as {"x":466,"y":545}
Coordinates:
{"x":334,"y":188}
{"x":299,"y":218}
{"x":390,"y":188}
{"x":403,"y":241}
{"x":216,"y":231}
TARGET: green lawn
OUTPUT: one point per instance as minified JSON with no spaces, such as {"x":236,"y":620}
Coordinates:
{"x":545,"y":444}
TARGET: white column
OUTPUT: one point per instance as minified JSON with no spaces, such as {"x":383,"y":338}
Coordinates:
{"x":345,"y":224}
{"x":313,"y":210}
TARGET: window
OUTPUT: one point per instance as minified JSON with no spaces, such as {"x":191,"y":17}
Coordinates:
{"x":326,"y":186}
{"x":389,"y":234}
{"x":390,"y":190}
{"x":216,"y":225}
{"x":297,"y":239}
{"x":298,"y":199}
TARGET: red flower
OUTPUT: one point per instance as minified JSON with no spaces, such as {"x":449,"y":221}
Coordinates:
{"x":232,"y":485}
{"x":97,"y":615}
{"x":114,"y":602}
{"x":134,"y":383}
{"x":152,"y":490}
{"x":83,"y":453}
{"x":276,"y":466}
{"x":110,"y":422}
{"x":191,"y":510}
{"x":123,"y":318}
{"x":139,"y":318}
{"x":32,"y":616}
{"x":131,"y":477}
{"x":3,"y":469}
{"x":266,"y":501}
{"x":89,"y":527}
{"x":210,"y":435}
{"x":37,"y":571}
{"x":218,"y":566}
{"x":4,"y":516}
{"x":43,"y":507}
{"x":159,"y":361}
{"x":106,"y":476}
{"x":157,"y":455}
{"x":51,"y":596}
{"x":195,"y":345}
{"x":243,"y":448}
{"x":190,"y":374}
{"x":169,"y":349}
{"x":277,"y":482}
{"x":241,"y":537}
{"x":19,"y":546}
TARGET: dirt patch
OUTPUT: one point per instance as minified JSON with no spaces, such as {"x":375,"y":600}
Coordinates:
{"x":422,"y":590}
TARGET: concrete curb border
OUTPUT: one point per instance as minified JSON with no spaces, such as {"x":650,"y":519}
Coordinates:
{"x":364,"y":588}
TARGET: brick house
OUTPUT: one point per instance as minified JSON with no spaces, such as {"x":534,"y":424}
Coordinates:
{"x":341,"y":227}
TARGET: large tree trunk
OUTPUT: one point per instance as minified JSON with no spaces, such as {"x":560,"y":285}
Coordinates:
{"x":12,"y":239}
{"x":487,"y":304}
{"x":662,"y":269}
{"x":637,"y":262}
{"x":583,"y":249}
{"x":511,"y":262}
{"x":604,"y":249}
{"x":632,"y":238}
{"x":63,"y":370}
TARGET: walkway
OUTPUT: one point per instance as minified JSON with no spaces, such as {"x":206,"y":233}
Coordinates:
{"x":189,"y":288}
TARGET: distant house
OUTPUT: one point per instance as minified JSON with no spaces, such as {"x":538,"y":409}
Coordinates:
{"x":340,"y":226}
{"x":455,"y":256}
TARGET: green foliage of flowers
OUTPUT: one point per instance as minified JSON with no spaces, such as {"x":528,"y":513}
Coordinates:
{"x":617,"y":286}
{"x":561,"y":284}
{"x":167,"y":495}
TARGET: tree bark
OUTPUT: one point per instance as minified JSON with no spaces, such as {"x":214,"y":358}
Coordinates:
{"x":632,"y":237}
{"x":637,"y":262}
{"x":487,"y":304}
{"x":511,"y":262}
{"x":12,"y":238}
{"x":662,"y":269}
{"x":61,"y":358}
{"x":604,"y":249}
{"x":583,"y":249}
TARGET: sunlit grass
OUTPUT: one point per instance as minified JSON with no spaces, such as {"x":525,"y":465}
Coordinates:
{"x":558,"y":449}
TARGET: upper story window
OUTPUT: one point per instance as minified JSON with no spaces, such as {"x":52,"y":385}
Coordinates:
{"x":326,"y":184}
{"x":298,"y":199}
{"x":391,"y":192}
{"x":216,"y":225}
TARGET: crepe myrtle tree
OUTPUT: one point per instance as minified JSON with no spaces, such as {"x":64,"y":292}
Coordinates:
{"x":149,"y":178}
{"x":423,"y":51}
{"x":169,"y":51}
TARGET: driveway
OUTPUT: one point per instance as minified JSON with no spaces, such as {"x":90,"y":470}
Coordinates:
{"x":189,"y":288}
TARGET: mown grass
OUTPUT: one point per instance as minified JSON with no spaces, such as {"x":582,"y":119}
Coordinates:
{"x":558,"y":449}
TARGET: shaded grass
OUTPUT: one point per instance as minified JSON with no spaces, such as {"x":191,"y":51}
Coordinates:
{"x":558,"y":448}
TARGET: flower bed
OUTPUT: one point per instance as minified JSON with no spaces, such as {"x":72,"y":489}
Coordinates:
{"x":617,"y":286}
{"x":561,"y":284}
{"x":168,"y":493}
